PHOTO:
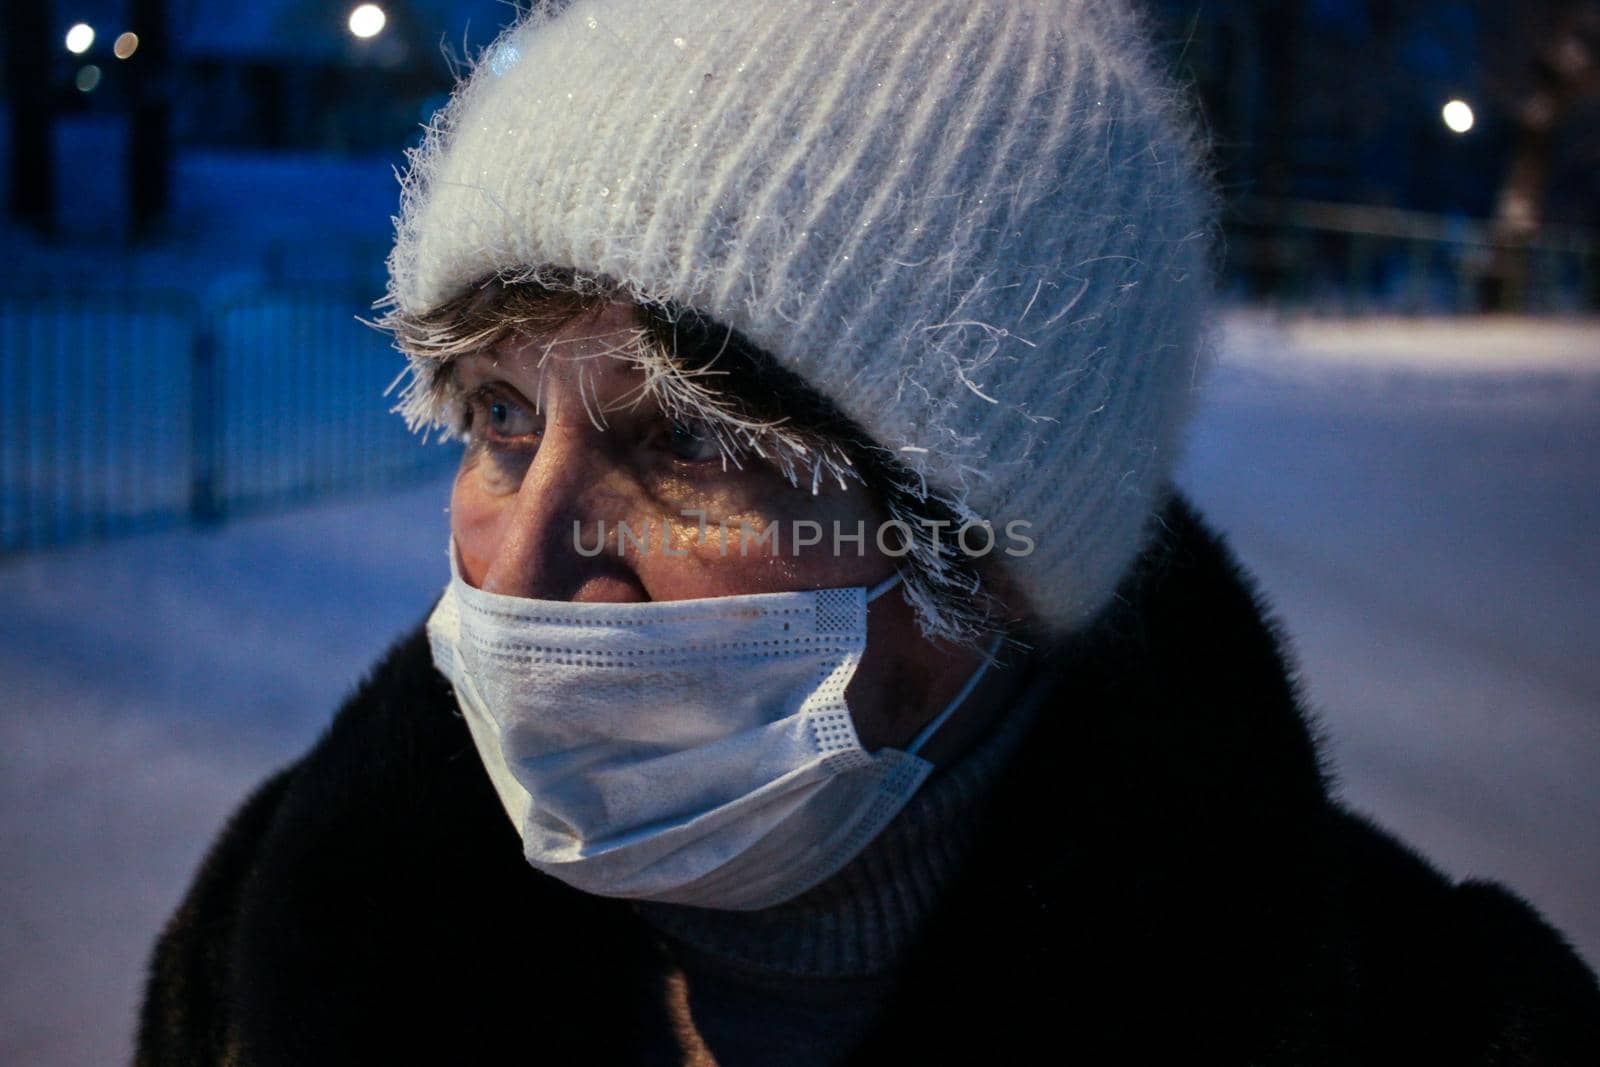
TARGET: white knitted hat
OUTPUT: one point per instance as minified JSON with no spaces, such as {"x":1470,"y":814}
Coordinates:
{"x":978,"y":226}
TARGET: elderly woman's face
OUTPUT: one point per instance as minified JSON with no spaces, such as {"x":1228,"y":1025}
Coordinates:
{"x":559,"y":454}
{"x":542,"y":472}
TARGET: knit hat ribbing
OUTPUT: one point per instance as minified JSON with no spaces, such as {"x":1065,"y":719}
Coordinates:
{"x":977,"y":227}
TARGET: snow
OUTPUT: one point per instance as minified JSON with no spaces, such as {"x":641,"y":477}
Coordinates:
{"x":150,"y":683}
{"x":1419,"y":501}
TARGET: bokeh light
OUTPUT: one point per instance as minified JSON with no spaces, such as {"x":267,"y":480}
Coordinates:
{"x":87,"y":78}
{"x":79,"y":38}
{"x":367,"y":20}
{"x":1458,"y":116}
{"x":126,"y":45}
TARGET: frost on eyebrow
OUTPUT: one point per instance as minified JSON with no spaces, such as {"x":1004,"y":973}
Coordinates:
{"x":431,"y":399}
{"x":701,"y":396}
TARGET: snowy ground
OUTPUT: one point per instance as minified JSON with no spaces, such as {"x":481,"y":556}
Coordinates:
{"x":1420,"y":501}
{"x":1422,"y":505}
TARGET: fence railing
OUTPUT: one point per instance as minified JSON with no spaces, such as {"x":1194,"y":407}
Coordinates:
{"x":128,"y":412}
{"x":1361,"y":259}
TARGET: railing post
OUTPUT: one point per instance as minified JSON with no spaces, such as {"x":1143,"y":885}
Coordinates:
{"x":205,"y":502}
{"x":1589,"y":278}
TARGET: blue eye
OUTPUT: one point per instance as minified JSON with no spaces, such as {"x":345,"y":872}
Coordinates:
{"x":505,"y":418}
{"x":693,"y":442}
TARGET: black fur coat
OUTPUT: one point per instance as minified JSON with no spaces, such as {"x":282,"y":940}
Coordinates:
{"x":1162,"y":877}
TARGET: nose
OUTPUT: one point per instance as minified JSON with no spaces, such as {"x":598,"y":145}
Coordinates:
{"x":570,"y":486}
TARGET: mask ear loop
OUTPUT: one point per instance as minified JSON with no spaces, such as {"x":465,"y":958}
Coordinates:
{"x":966,"y":691}
{"x":882,"y":587}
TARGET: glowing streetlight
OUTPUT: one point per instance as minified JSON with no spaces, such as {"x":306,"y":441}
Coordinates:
{"x":367,"y":20}
{"x":79,"y":38}
{"x":1458,"y":116}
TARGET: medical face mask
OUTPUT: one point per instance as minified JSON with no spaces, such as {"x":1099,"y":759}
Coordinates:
{"x":689,"y":751}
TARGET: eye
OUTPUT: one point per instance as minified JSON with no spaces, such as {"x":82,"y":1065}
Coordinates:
{"x":507,"y":419}
{"x":692,"y":442}
{"x":499,"y":417}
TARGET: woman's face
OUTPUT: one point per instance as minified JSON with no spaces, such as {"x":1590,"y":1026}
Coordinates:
{"x":543,"y":471}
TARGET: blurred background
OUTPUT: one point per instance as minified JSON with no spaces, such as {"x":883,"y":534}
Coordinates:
{"x":210,"y":524}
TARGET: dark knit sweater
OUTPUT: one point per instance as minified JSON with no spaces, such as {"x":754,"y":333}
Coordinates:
{"x":800,"y":982}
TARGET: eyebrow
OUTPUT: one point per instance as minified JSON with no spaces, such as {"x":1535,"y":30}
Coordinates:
{"x":761,"y":386}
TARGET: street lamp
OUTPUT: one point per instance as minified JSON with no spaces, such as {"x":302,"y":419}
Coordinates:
{"x":1458,"y":116}
{"x":79,"y":38}
{"x":367,"y":20}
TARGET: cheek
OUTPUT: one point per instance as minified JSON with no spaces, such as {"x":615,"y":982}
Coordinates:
{"x":839,"y":558}
{"x":477,"y":522}
{"x":754,"y":550}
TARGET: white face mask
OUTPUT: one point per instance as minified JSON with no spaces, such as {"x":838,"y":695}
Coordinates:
{"x":690,"y":751}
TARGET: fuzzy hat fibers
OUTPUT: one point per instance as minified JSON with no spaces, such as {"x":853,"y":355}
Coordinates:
{"x":978,"y":226}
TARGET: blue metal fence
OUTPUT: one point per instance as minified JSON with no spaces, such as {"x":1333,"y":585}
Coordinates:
{"x":125,"y":412}
{"x":1354,"y":259}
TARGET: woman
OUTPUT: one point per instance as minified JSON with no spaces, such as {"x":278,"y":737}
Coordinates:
{"x":828,"y":670}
